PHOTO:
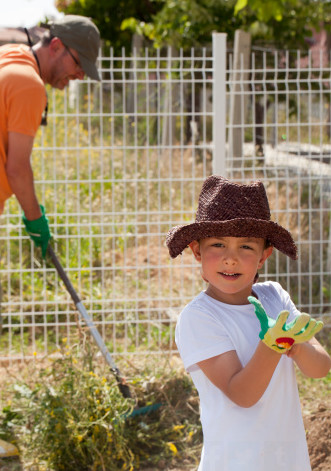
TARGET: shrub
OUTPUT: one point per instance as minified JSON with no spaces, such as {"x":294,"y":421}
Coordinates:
{"x":70,"y":415}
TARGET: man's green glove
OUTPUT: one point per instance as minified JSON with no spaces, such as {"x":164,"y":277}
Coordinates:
{"x":278,"y":335}
{"x":38,"y":231}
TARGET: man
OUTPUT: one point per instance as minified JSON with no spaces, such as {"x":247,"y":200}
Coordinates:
{"x":66,"y":52}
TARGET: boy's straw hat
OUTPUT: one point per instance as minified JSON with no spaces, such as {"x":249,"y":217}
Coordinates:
{"x":227,"y":209}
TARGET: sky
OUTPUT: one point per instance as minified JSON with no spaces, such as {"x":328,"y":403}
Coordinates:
{"x":15,"y":13}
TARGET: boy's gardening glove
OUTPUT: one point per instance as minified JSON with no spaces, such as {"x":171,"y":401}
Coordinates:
{"x":278,"y":335}
{"x":38,"y":231}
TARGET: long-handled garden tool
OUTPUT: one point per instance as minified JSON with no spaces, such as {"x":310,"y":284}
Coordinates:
{"x":121,"y":382}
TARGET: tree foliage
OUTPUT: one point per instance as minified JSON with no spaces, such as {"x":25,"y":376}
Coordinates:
{"x":188,"y":23}
{"x":284,"y":23}
{"x":109,"y":14}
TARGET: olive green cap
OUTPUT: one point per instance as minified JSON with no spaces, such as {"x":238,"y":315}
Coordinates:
{"x":79,"y":33}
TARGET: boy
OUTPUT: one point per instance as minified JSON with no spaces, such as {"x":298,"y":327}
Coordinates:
{"x":242,"y":363}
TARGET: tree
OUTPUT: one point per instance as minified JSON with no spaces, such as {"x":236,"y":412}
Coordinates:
{"x":186,"y":23}
{"x":109,"y":14}
{"x":284,"y":23}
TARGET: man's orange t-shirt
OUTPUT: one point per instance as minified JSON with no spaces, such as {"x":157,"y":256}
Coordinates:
{"x":22,"y":102}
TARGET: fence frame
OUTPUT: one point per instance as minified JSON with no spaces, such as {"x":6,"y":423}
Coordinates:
{"x":120,"y":195}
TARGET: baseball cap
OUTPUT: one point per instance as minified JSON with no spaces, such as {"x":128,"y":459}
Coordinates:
{"x":81,"y":34}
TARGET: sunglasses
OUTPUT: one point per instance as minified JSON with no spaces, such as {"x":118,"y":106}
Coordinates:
{"x":74,"y":58}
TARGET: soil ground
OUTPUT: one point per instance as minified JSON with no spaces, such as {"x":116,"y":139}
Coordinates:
{"x":318,"y":428}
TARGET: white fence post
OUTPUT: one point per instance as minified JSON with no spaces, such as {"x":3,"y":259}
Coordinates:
{"x":239,"y":94}
{"x":219,"y":103}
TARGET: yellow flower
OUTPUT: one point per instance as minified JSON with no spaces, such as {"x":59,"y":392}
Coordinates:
{"x":177,"y":428}
{"x":172,"y":448}
{"x":64,"y":340}
{"x":190,"y":435}
{"x":80,"y":438}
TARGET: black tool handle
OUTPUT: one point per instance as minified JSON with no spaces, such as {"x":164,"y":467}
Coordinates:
{"x":63,"y":275}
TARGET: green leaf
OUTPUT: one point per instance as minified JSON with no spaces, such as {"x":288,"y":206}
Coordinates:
{"x":129,"y":23}
{"x":240,"y":5}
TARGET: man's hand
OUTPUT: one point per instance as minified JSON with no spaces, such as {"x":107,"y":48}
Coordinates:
{"x":278,"y":335}
{"x":38,"y":230}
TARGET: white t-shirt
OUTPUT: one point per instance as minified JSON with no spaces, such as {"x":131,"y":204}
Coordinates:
{"x":268,"y":436}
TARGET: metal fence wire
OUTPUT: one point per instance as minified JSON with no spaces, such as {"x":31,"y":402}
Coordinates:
{"x":123,"y":160}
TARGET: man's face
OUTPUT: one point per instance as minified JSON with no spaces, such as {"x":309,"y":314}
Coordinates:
{"x":65,"y":66}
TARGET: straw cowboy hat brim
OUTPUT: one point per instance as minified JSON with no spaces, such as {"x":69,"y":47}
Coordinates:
{"x":179,"y":237}
{"x":227,"y":209}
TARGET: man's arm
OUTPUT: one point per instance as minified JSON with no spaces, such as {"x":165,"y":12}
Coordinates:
{"x":243,"y":385}
{"x":311,"y":358}
{"x":20,"y":175}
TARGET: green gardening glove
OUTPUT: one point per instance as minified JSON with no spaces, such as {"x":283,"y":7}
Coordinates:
{"x":278,"y":335}
{"x":38,"y":231}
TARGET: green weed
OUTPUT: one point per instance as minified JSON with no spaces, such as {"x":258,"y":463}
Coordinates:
{"x":70,"y":415}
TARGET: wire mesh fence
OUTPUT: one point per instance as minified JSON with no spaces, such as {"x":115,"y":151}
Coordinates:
{"x":279,"y":132}
{"x":123,"y":160}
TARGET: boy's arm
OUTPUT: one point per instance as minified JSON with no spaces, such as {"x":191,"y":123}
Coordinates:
{"x":311,"y":358}
{"x":243,"y":385}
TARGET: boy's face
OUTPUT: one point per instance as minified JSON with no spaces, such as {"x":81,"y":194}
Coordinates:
{"x":229,"y":265}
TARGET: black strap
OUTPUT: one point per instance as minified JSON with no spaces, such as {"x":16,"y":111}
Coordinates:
{"x":44,"y":116}
{"x":29,"y":39}
{"x":33,"y":52}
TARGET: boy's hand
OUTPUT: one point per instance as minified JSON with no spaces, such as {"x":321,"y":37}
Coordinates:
{"x":278,"y":335}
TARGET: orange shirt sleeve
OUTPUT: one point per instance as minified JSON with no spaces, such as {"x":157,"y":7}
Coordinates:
{"x":25,"y":97}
